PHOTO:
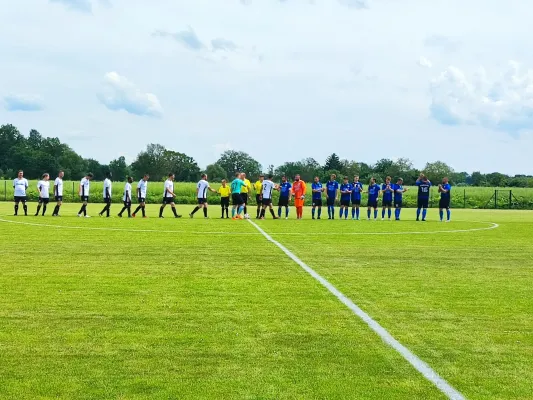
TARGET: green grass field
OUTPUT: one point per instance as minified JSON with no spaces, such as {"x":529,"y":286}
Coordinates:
{"x":210,"y":309}
{"x":462,"y":197}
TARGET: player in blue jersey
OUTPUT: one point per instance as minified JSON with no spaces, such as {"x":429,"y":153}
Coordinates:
{"x":332,"y":188}
{"x":317,"y":189}
{"x":373,"y":195}
{"x":357,"y":188}
{"x":399,"y":190}
{"x":444,"y":202}
{"x":386,"y":200}
{"x":284,"y":196}
{"x":346,"y":194}
{"x":424,"y":185}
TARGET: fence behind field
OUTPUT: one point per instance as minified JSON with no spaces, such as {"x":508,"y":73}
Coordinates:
{"x":462,"y":197}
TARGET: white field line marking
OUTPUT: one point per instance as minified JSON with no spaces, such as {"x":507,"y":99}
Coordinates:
{"x":492,"y":226}
{"x":416,"y":362}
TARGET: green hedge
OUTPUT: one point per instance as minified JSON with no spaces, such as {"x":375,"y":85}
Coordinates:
{"x":469,"y":197}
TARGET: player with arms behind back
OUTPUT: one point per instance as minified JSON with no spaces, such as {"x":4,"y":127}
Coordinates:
{"x":317,"y":189}
{"x":43,"y":186}
{"x":285,"y":195}
{"x":201,"y":195}
{"x":224,"y":191}
{"x":20,"y":185}
{"x":58,"y":193}
{"x":424,"y":185}
{"x":445,"y":198}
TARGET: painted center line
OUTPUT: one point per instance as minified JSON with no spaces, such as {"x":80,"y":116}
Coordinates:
{"x":416,"y":362}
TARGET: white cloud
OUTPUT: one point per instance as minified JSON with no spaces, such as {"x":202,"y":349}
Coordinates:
{"x":220,"y":148}
{"x":503,"y":104}
{"x":18,"y":102}
{"x":424,"y":62}
{"x":121,"y":94}
{"x":84,"y":6}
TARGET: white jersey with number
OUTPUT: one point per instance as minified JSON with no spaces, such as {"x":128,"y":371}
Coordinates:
{"x":58,"y":187}
{"x":44,"y":189}
{"x":85,"y":184}
{"x":20,"y":186}
{"x":169,"y":187}
{"x":142,"y":188}
{"x":202,"y":186}
{"x":127,"y":192}
{"x":107,"y":187}
{"x":268,"y":187}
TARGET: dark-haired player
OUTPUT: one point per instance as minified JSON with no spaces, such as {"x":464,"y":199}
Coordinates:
{"x":285,"y":195}
{"x":126,"y":198}
{"x":424,"y":185}
{"x":107,"y":195}
{"x":346,"y":194}
{"x":317,"y":188}
{"x":357,"y":189}
{"x":43,"y":186}
{"x":386,"y":200}
{"x":267,"y":187}
{"x":142,"y":190}
{"x":58,"y":193}
{"x":444,"y":202}
{"x":332,"y":188}
{"x":168,"y":197}
{"x":83,"y":191}
{"x":20,"y":185}
{"x":201,"y":195}
{"x":373,"y":195}
{"x":399,"y":190}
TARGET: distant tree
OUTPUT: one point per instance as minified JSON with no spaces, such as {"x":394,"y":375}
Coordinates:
{"x":437,"y":170}
{"x":97,"y":169}
{"x":497,"y":179}
{"x":151,"y":161}
{"x":232,"y":161}
{"x":478,"y":179}
{"x":270,"y":169}
{"x":119,"y":169}
{"x":215,"y":173}
{"x":333,"y":162}
{"x":183,"y":166}
{"x":327,"y":174}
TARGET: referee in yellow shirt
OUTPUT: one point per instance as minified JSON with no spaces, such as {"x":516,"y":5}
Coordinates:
{"x":245,"y":190}
{"x":258,"y":188}
{"x":224,"y":192}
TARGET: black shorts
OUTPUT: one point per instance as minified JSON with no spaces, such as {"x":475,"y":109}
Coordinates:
{"x":127,"y":204}
{"x":317,"y":202}
{"x":141,"y":199}
{"x":43,"y":201}
{"x":444,"y":203}
{"x":372,"y":203}
{"x":24,"y":199}
{"x":398,"y":203}
{"x":386,"y":203}
{"x":107,"y":200}
{"x":345,"y":203}
{"x":423,"y":202}
{"x":224,"y":201}
{"x":244,"y":197}
{"x":84,"y":198}
{"x":258,"y":199}
{"x":202,"y":200}
{"x":236,"y":199}
{"x":266,"y":202}
{"x":283,"y":202}
{"x":59,"y":198}
{"x":330,"y":201}
{"x":168,"y":200}
{"x":356,"y":202}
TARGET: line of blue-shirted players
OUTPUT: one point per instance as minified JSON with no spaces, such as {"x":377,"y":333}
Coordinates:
{"x":349,"y":194}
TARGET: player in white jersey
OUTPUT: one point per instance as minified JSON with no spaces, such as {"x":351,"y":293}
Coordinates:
{"x":142,"y":189}
{"x":108,"y":191}
{"x":126,"y":198}
{"x":266,"y":197}
{"x":168,"y":197}
{"x":84,"y":194}
{"x":58,"y":193}
{"x":43,"y":186}
{"x":201,"y":195}
{"x":20,"y":184}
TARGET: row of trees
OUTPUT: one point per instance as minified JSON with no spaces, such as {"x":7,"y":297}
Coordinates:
{"x":35,"y":154}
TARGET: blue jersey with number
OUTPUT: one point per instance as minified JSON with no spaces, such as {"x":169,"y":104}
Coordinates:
{"x":398,"y":192}
{"x":387,"y":193}
{"x":423,"y":189}
{"x":446,"y":196}
{"x":284,"y":189}
{"x":346,"y":187}
{"x":373,"y":192}
{"x":331,"y":189}
{"x":357,"y":189}
{"x":317,"y":186}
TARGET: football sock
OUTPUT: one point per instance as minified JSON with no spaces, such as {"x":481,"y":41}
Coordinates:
{"x":376,"y":213}
{"x":129,"y":211}
{"x":245,"y":209}
{"x":222,"y":208}
{"x":353,"y":212}
{"x":161,"y":211}
{"x":56,"y":210}
{"x":44,"y":209}
{"x":346,"y":213}
{"x":340,"y":212}
{"x":233,"y":212}
{"x":195,"y":209}
{"x":271,"y":212}
{"x":368,"y":213}
{"x":174,"y":211}
{"x":389,"y":212}
{"x":137,"y":209}
{"x":286,"y":211}
{"x":227,"y":211}
{"x":313,"y":213}
{"x":205,"y":212}
{"x":319,"y":212}
{"x":397,"y":213}
{"x":16,"y":209}
{"x":383,"y":214}
{"x":418,"y":213}
{"x":39,"y":209}
{"x":448,"y":214}
{"x":279,"y":212}
{"x":143,"y":209}
{"x":329,"y":211}
{"x":239,"y":211}
{"x":424,"y":212}
{"x":357,"y":213}
{"x":441,"y":214}
{"x":258,"y":212}
{"x":25,"y":209}
{"x":81,"y":209}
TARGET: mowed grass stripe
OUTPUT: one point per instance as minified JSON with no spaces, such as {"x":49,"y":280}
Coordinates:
{"x":462,"y":302}
{"x":91,"y":314}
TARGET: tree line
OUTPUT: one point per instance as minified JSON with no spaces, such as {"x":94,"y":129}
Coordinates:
{"x":36,"y":154}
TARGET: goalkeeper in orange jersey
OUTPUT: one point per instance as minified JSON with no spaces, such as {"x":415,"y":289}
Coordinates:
{"x":298,"y":190}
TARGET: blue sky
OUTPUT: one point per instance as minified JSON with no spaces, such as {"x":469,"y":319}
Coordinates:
{"x":279,"y":79}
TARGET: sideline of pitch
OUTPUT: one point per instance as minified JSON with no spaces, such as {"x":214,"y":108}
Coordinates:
{"x":416,"y":362}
